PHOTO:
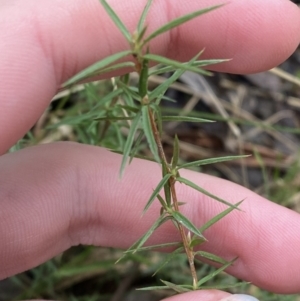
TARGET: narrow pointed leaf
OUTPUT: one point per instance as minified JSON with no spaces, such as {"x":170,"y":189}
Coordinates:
{"x":198,"y":63}
{"x":159,"y":91}
{"x":142,"y":19}
{"x":196,"y":187}
{"x":96,"y":67}
{"x":211,"y":257}
{"x":219,"y":216}
{"x":185,"y":119}
{"x":113,"y":118}
{"x":162,"y":201}
{"x":215,"y":273}
{"x":140,"y":242}
{"x":109,"y":97}
{"x":178,"y":21}
{"x":222,"y":287}
{"x":211,"y":161}
{"x":129,"y":90}
{"x":156,"y":191}
{"x":177,"y":65}
{"x":129,"y":142}
{"x":168,"y":259}
{"x":153,"y":288}
{"x":161,"y":220}
{"x":114,"y":68}
{"x":175,"y":152}
{"x":180,"y":218}
{"x":167,"y":188}
{"x":154,"y":247}
{"x":196,"y":241}
{"x":175,"y":287}
{"x":149,"y":132}
{"x":117,"y":20}
{"x":136,"y":146}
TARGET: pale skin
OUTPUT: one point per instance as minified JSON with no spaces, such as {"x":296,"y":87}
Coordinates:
{"x":59,"y":195}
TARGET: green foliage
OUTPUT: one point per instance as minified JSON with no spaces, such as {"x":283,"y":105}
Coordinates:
{"x":136,"y":110}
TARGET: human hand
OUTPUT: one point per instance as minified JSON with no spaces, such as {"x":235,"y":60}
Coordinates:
{"x":58,"y":195}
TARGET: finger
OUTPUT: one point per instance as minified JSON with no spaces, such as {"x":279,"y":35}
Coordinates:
{"x":205,"y":295}
{"x":210,"y":295}
{"x":46,"y":42}
{"x":64,"y":194}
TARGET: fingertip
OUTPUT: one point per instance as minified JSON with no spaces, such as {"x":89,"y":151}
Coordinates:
{"x":203,"y":295}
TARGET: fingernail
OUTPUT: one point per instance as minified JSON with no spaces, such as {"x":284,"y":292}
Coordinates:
{"x":239,"y":297}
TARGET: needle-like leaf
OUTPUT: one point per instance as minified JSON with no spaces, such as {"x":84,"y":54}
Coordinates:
{"x":178,"y":21}
{"x":154,"y":247}
{"x":129,"y":142}
{"x":168,"y":259}
{"x":215,"y":273}
{"x":89,"y":71}
{"x":159,"y":91}
{"x":211,"y":257}
{"x":149,"y":132}
{"x":156,"y":191}
{"x":218,"y":217}
{"x":200,"y":63}
{"x":181,"y":219}
{"x":211,"y":161}
{"x":185,"y":119}
{"x":175,"y":287}
{"x":196,"y":187}
{"x":142,"y":19}
{"x":116,"y":20}
{"x":138,"y":244}
{"x":175,"y":152}
{"x":177,"y":65}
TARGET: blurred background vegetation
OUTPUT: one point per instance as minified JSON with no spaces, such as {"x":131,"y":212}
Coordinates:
{"x":256,"y":114}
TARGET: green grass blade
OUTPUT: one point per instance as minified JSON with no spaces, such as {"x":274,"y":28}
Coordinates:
{"x":179,"y":21}
{"x":177,"y":65}
{"x":181,"y":219}
{"x":185,"y":119}
{"x":116,"y":20}
{"x":211,"y":161}
{"x":218,"y":217}
{"x":148,"y":132}
{"x":156,"y":191}
{"x":215,"y":273}
{"x":175,"y":152}
{"x":129,"y":142}
{"x":196,"y":187}
{"x":144,"y":14}
{"x":175,"y":287}
{"x":96,"y":67}
{"x":211,"y":257}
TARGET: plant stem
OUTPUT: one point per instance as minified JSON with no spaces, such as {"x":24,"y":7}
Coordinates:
{"x":188,"y":250}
